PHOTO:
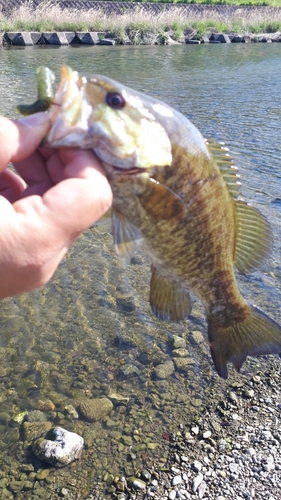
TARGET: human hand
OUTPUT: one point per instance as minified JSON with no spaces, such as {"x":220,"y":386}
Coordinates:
{"x":58,"y":195}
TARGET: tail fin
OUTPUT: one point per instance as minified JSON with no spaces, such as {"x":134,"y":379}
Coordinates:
{"x":256,"y":335}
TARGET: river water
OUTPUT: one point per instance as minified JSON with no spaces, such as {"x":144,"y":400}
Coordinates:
{"x":89,"y":333}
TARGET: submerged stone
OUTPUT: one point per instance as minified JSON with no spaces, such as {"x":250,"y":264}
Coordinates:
{"x":95,"y":409}
{"x":33,"y":430}
{"x":59,"y":447}
{"x":19,"y":418}
{"x":164,"y":370}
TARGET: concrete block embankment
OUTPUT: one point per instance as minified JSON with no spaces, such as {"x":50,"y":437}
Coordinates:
{"x":99,"y":38}
{"x":56,"y":38}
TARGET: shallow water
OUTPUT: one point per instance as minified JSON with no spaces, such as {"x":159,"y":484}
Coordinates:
{"x":90,"y":332}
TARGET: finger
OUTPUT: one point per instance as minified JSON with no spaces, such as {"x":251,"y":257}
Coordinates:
{"x":76,"y":203}
{"x":71,"y":206}
{"x":41,"y":178}
{"x":11,"y":186}
{"x":79,"y":163}
{"x":19,"y":139}
{"x":34,"y":170}
{"x":56,"y":168}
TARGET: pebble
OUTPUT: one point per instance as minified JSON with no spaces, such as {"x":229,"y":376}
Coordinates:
{"x":233,"y":467}
{"x":42,"y":474}
{"x":197,"y":481}
{"x":176,"y":480}
{"x":197,"y":466}
{"x":172,"y":495}
{"x":207,"y":434}
{"x":136,"y":483}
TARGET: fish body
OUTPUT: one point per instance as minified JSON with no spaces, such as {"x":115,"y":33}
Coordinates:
{"x":175,"y":195}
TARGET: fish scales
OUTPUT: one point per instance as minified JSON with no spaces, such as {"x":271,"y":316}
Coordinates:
{"x":177,"y":197}
{"x":180,"y":245}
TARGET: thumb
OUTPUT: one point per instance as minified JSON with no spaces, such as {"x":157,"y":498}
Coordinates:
{"x":18,"y":139}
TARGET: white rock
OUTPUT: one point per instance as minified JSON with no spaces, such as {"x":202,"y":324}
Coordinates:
{"x":60,"y":451}
{"x":207,"y":434}
{"x":197,"y":481}
{"x":176,"y":480}
{"x":172,"y":495}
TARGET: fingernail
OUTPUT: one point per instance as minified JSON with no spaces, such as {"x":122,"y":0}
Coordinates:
{"x":35,"y":120}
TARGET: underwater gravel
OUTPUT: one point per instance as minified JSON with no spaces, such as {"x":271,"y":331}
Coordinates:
{"x":231,"y":451}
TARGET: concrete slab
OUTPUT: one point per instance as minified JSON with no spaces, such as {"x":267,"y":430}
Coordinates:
{"x":220,"y":37}
{"x":16,"y":38}
{"x":88,"y":37}
{"x":55,"y":38}
{"x":36,"y":37}
{"x":106,"y":41}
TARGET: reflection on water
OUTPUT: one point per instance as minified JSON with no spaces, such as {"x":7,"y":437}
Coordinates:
{"x":90,"y":332}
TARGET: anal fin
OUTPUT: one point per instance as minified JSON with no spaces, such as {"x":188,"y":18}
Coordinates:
{"x":168,"y":300}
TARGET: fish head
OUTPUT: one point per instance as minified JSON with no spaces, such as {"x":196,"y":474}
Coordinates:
{"x":118,"y":123}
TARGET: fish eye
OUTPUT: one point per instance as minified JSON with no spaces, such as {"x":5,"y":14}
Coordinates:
{"x":115,"y":100}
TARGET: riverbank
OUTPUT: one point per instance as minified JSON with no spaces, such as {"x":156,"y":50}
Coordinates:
{"x":103,"y":38}
{"x":133,"y":24}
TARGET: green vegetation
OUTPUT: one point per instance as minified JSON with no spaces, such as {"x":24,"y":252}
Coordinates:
{"x":139,"y":26}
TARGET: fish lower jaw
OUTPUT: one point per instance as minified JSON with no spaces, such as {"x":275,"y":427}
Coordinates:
{"x":62,"y":136}
{"x":129,"y":170}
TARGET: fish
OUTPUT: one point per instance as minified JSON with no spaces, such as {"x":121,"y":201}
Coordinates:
{"x":176,"y":195}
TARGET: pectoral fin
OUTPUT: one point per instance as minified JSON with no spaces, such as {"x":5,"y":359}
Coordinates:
{"x":168,"y":301}
{"x":253,"y":238}
{"x":126,"y":236}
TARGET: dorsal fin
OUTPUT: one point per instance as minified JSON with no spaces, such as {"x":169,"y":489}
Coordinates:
{"x":253,"y":238}
{"x":226,"y":166}
{"x":253,"y":232}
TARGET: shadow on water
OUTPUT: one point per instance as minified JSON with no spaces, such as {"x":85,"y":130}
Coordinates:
{"x":90,"y":333}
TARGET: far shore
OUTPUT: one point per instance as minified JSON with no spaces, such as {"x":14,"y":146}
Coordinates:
{"x":26,"y":38}
{"x":131,"y":23}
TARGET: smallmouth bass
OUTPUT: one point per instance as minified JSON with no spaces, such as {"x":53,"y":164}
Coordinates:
{"x":177,"y":197}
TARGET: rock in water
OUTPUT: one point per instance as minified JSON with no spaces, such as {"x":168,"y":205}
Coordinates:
{"x":95,"y":409}
{"x":59,"y":447}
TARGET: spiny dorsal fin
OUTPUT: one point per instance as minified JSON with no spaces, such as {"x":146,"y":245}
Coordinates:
{"x":126,"y":236}
{"x":253,"y":238}
{"x":226,"y":166}
{"x":168,"y":300}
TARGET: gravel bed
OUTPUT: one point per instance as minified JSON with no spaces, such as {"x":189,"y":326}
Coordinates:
{"x":231,"y":452}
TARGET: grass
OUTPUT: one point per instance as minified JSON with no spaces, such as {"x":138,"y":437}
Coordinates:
{"x":138,"y":26}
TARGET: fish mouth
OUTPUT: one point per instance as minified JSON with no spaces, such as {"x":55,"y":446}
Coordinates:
{"x":70,"y":112}
{"x":129,"y":171}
